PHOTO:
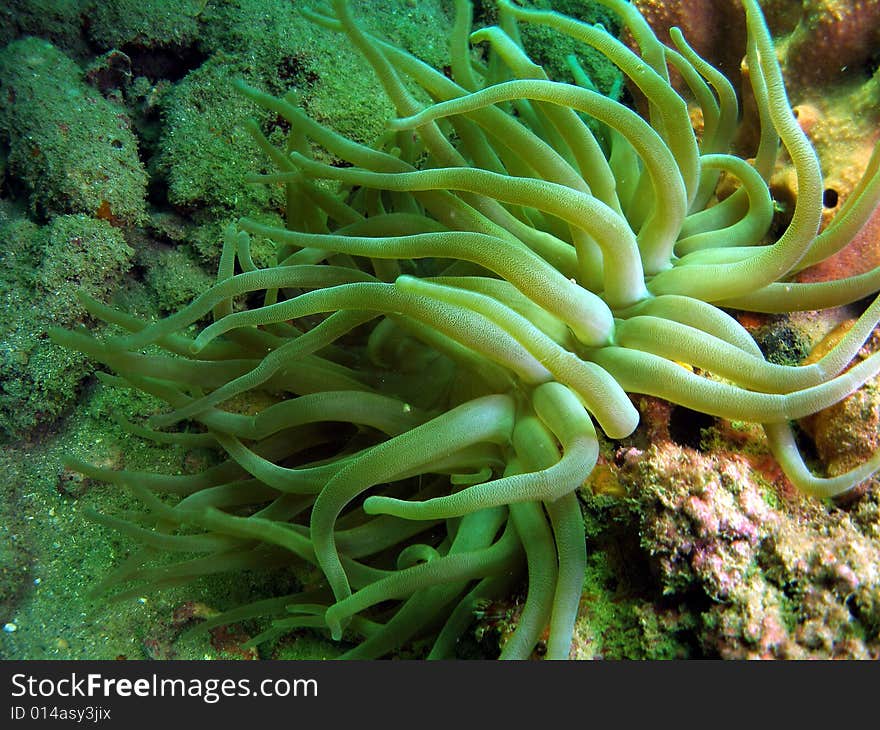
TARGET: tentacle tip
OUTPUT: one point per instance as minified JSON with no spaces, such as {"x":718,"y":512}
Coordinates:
{"x":335,"y":627}
{"x":85,"y":299}
{"x":406,"y":282}
{"x":373,"y":505}
{"x":71,"y":462}
{"x":625,"y":428}
{"x":58,"y":335}
{"x":480,"y":35}
{"x":400,"y":508}
{"x":92,"y":514}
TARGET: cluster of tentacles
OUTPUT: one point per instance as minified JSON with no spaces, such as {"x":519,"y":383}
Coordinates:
{"x":406,"y":400}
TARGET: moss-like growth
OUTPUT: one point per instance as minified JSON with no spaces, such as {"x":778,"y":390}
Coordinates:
{"x":782,"y":343}
{"x":206,"y":153}
{"x":551,"y":50}
{"x":59,"y":21}
{"x":206,"y":242}
{"x":174,"y":275}
{"x":44,"y":267}
{"x":48,"y":566}
{"x":285,"y":51}
{"x":72,"y":150}
{"x":144,"y":22}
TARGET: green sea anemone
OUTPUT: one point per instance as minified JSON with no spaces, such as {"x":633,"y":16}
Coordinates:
{"x":452,"y":313}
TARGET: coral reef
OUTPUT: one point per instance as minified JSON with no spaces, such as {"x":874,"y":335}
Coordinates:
{"x":697,"y":544}
{"x":716,"y":30}
{"x":784,"y":577}
{"x":57,"y":21}
{"x":143,"y":24}
{"x":833,"y":40}
{"x":845,"y":433}
{"x":205,"y":150}
{"x":819,"y":42}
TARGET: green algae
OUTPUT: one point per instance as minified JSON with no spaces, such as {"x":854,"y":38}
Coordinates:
{"x":43,"y":268}
{"x":284,"y":51}
{"x":205,"y":151}
{"x":174,"y":275}
{"x":619,"y":616}
{"x":68,"y":553}
{"x":551,"y":50}
{"x":205,"y":241}
{"x":782,"y":344}
{"x":58,"y":21}
{"x":72,"y":149}
{"x":143,"y":22}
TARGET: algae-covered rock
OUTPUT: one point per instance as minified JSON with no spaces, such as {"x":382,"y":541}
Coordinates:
{"x":43,"y":268}
{"x":768,"y":572}
{"x":206,"y":241}
{"x":551,"y":50}
{"x":59,"y":21}
{"x":847,"y":433}
{"x":206,"y":153}
{"x":281,"y":50}
{"x":174,"y":275}
{"x":143,"y":23}
{"x":72,"y":150}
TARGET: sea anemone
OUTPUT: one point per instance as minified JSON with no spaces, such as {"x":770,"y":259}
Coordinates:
{"x":447,"y":319}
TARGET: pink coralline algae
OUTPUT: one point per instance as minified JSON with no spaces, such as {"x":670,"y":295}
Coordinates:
{"x":783,"y":576}
{"x":703,"y":520}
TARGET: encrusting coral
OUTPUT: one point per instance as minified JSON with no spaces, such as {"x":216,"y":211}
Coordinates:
{"x":448,"y":318}
{"x":782,"y":575}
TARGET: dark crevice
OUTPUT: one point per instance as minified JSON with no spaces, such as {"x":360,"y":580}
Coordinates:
{"x":686,"y":426}
{"x":806,"y":446}
{"x":170,"y":63}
